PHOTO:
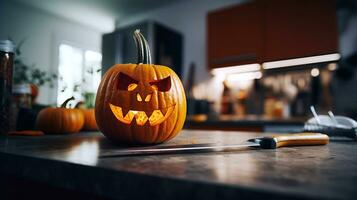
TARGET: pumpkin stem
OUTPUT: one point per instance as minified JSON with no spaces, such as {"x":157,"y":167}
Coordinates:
{"x":144,"y":54}
{"x":80,"y":104}
{"x":64,"y":104}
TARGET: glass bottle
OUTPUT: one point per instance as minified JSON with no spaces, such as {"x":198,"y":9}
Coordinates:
{"x":7,"y":49}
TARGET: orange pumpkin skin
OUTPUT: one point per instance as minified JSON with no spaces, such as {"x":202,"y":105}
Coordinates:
{"x":89,"y":117}
{"x":108,"y":94}
{"x":60,"y":120}
{"x":89,"y":120}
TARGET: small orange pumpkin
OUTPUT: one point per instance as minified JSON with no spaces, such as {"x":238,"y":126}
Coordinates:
{"x":140,"y":103}
{"x":89,"y":118}
{"x":60,"y":120}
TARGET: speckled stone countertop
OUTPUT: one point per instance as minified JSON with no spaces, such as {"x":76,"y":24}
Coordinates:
{"x":72,"y":162}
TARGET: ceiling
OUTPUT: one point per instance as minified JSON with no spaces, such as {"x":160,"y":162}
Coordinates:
{"x":98,"y":14}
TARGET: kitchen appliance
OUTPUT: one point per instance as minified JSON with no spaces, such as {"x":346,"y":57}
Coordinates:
{"x":331,"y":125}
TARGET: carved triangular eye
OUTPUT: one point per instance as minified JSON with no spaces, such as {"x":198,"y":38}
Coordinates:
{"x":163,"y":85}
{"x":124,"y":81}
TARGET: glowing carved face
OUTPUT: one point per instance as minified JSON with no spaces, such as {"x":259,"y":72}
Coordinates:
{"x":153,"y":116}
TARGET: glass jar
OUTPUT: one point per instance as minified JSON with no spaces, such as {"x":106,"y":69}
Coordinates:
{"x":21,"y":95}
{"x":7,"y":50}
{"x":20,"y":107}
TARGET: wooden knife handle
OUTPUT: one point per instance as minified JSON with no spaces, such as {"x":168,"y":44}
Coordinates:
{"x":294,"y":139}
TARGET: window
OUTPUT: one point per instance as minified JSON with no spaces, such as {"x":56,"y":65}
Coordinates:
{"x":79,"y":73}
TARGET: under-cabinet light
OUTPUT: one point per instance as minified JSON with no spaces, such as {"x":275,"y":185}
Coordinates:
{"x":301,"y":61}
{"x":236,"y":69}
{"x":244,"y":76}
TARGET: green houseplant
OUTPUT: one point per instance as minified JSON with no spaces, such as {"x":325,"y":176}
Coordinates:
{"x":30,"y":74}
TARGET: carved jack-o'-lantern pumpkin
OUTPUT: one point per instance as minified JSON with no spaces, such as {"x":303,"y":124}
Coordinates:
{"x":140,"y":103}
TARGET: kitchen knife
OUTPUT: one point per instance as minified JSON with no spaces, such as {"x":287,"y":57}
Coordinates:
{"x":268,"y":142}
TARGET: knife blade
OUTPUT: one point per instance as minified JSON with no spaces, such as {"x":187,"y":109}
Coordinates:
{"x":268,"y":142}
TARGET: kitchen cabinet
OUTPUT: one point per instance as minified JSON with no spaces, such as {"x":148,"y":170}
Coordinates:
{"x":269,"y":30}
{"x":299,"y":28}
{"x":235,"y":35}
{"x":166,"y":46}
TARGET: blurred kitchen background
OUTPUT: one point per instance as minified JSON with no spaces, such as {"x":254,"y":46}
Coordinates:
{"x":244,"y":63}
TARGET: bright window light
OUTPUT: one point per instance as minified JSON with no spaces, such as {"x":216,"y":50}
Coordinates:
{"x":92,"y":71}
{"x":301,"y":61}
{"x":236,"y":69}
{"x":79,"y":72}
{"x":70,"y":72}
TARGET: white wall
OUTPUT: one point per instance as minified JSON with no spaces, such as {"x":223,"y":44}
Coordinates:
{"x":189,"y":18}
{"x":43,"y":32}
{"x":345,"y":89}
{"x":348,"y":39}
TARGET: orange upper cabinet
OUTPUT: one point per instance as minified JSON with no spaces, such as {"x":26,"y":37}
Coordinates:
{"x":235,"y":35}
{"x":299,"y":28}
{"x":268,"y":30}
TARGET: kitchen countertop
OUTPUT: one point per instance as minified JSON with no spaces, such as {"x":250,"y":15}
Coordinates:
{"x":71,"y":162}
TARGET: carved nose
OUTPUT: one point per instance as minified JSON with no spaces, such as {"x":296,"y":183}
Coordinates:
{"x":139,"y":98}
{"x":147,"y":98}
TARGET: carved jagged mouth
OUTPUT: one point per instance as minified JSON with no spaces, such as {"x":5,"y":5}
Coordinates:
{"x":156,"y":117}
